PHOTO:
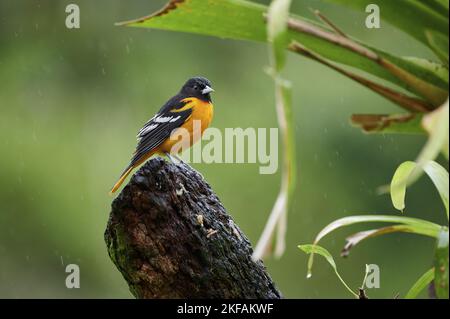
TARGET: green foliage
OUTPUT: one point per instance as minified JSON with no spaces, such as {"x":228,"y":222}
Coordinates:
{"x":398,"y":184}
{"x":440,"y":178}
{"x":357,"y":238}
{"x":427,"y":21}
{"x":311,"y":249}
{"x":417,"y":226}
{"x":439,"y":43}
{"x":441,"y":265}
{"x":243,"y":20}
{"x":436,"y":172}
{"x":420,"y":284}
{"x":68,"y":117}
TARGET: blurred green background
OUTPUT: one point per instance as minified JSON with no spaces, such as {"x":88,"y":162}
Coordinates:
{"x":71,"y":102}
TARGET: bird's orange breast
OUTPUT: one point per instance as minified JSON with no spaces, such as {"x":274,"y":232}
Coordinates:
{"x":195,"y":125}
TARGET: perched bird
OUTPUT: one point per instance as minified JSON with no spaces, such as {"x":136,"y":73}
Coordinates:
{"x":192,"y":103}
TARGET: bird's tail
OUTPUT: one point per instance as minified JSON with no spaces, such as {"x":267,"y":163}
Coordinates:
{"x":122,"y":177}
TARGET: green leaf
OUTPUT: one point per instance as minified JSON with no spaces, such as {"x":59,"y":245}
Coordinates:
{"x":355,"y":239}
{"x":411,"y":16}
{"x":310,"y":249}
{"x":402,"y":176}
{"x":357,"y":219}
{"x":399,"y":182}
{"x":414,"y":223}
{"x":434,"y":70}
{"x":389,"y":124}
{"x":429,"y":84}
{"x":439,"y":176}
{"x":441,"y":265}
{"x":420,"y":284}
{"x":439,"y":44}
{"x":238,"y":19}
{"x":436,"y":124}
{"x":438,"y":6}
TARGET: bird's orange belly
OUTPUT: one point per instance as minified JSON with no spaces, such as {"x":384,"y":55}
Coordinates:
{"x":192,"y":130}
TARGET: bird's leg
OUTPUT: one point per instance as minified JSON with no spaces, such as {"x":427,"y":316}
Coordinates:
{"x":178,"y":158}
{"x":181,"y":161}
{"x":171,"y":159}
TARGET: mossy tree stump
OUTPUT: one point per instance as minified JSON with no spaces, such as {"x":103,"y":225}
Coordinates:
{"x":170,"y":237}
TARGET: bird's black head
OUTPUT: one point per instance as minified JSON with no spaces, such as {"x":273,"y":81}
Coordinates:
{"x":198,"y":87}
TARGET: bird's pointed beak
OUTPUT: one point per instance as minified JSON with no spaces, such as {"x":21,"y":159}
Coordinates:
{"x":207,"y":90}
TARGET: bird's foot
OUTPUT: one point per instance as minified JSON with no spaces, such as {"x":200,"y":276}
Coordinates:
{"x":171,"y":158}
{"x":178,"y":159}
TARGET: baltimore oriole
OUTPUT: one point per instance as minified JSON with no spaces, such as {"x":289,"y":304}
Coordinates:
{"x":192,"y":103}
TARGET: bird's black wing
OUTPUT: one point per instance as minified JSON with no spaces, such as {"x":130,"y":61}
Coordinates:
{"x":159,"y":127}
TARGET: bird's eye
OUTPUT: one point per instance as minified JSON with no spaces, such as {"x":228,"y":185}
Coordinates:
{"x":195,"y":87}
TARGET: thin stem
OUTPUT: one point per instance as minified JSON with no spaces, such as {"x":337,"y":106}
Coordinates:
{"x":329,"y":23}
{"x":435,"y":95}
{"x":409,"y":103}
{"x":345,"y":285}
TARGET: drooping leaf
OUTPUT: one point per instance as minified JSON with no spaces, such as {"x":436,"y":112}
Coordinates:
{"x":441,"y":265}
{"x":401,"y":180}
{"x":244,"y":20}
{"x":310,"y":249}
{"x":420,"y":284}
{"x":278,"y":15}
{"x":357,"y":219}
{"x":394,"y":123}
{"x":399,"y":183}
{"x":436,"y":124}
{"x":414,"y":223}
{"x":439,"y":176}
{"x":355,"y":239}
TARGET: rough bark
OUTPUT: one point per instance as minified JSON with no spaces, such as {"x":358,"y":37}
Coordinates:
{"x":170,"y":237}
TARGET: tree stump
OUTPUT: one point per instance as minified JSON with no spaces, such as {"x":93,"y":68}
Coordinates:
{"x":170,"y":237}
